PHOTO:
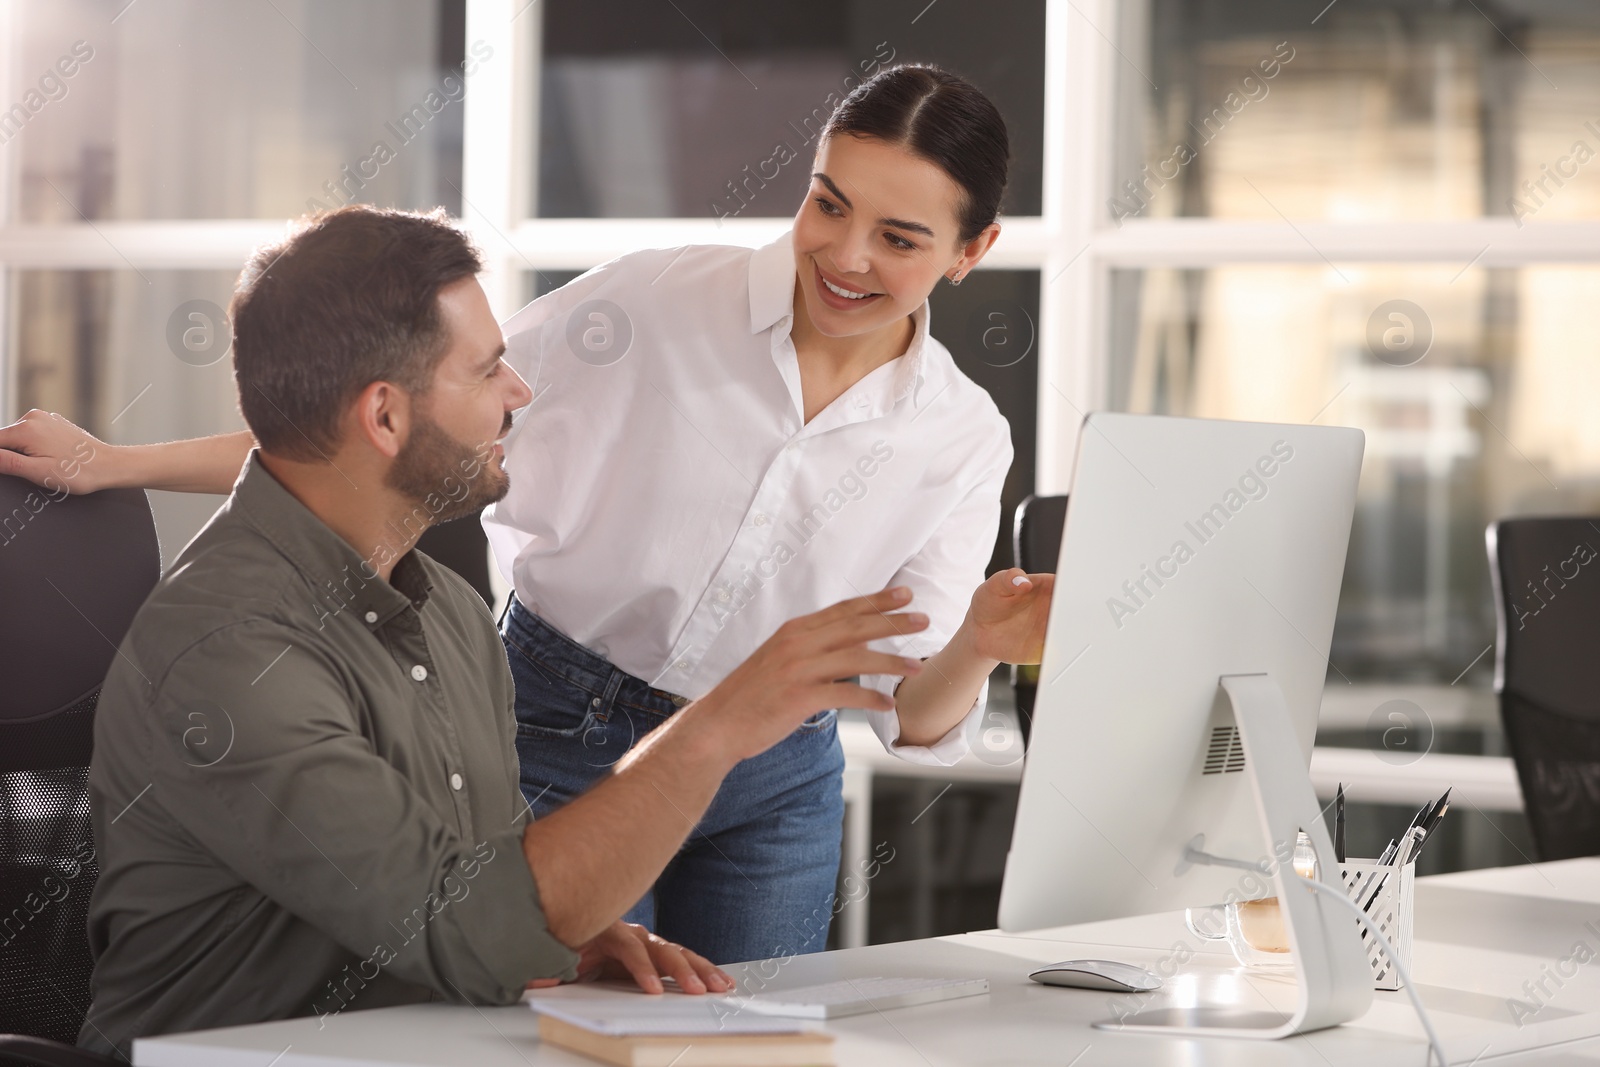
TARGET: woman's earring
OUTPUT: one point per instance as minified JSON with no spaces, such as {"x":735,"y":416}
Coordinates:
{"x":956,"y":280}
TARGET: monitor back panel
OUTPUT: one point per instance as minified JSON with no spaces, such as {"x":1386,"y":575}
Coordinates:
{"x":1192,"y":549}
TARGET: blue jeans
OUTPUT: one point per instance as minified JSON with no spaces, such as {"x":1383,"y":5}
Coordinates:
{"x":755,"y":879}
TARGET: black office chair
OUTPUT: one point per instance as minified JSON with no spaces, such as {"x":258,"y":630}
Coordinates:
{"x":1035,"y":547}
{"x":73,"y":571}
{"x":461,"y":545}
{"x":1546,"y":575}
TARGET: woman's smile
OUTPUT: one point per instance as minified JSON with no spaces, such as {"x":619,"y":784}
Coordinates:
{"x":839,"y":295}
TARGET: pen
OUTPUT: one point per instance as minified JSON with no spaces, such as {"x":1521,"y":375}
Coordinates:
{"x":1410,"y":845}
{"x":1401,"y":852}
{"x":1393,"y":848}
{"x":1439,"y":808}
{"x":1372,"y":877}
{"x":1387,"y":856}
{"x":1432,"y":821}
{"x":1420,"y":817}
{"x":1338,"y":824}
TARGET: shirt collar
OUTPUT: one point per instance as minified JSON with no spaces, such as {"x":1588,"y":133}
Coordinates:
{"x":772,"y":283}
{"x":772,"y":304}
{"x":341,"y":578}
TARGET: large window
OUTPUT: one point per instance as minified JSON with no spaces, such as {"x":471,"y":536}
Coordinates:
{"x":662,"y":110}
{"x":187,"y":132}
{"x":1363,"y":213}
{"x":140,"y":143}
{"x":1470,"y":389}
{"x":706,"y":113}
{"x":1373,"y":212}
{"x":1393,"y":110}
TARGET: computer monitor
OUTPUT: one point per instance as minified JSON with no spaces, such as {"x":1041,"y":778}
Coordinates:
{"x":1194,"y":551}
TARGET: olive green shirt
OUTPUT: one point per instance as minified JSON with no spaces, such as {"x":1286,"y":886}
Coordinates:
{"x":305,"y":790}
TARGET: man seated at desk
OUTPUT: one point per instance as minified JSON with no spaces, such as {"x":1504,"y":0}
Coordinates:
{"x":305,"y":790}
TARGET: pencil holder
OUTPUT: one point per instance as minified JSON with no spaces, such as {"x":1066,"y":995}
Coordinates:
{"x":1386,"y":893}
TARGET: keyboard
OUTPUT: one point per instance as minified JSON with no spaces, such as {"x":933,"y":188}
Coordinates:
{"x":859,"y":996}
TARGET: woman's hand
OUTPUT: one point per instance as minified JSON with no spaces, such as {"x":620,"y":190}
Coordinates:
{"x":51,"y":451}
{"x":626,"y":949}
{"x":1008,"y":616}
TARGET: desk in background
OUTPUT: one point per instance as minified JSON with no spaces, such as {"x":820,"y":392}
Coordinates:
{"x":1459,"y":718}
{"x":1480,"y":935}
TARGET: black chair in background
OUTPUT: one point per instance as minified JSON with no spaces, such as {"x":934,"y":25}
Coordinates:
{"x":1546,"y":574}
{"x":461,"y":545}
{"x":1035,"y":547}
{"x":73,"y":571}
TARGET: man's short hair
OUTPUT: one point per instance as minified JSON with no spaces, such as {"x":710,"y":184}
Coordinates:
{"x":348,"y":299}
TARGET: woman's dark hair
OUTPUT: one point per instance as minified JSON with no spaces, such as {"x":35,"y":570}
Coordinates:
{"x":941,"y":117}
{"x":350,"y":298}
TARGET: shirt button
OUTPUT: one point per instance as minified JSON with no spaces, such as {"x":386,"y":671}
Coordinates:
{"x":722,"y":595}
{"x":455,"y":782}
{"x":760,"y":518}
{"x":372,"y":616}
{"x":682,"y":665}
{"x":420,"y":673}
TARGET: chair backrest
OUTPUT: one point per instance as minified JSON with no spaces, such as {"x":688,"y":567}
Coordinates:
{"x":1036,"y":534}
{"x":73,"y":571}
{"x":1036,"y":548}
{"x":460,"y":544}
{"x":1546,"y":577}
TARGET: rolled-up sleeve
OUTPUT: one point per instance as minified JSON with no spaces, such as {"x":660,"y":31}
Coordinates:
{"x":942,"y":577}
{"x":274,"y":777}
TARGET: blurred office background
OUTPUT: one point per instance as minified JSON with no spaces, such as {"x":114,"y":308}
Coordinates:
{"x":1218,"y":208}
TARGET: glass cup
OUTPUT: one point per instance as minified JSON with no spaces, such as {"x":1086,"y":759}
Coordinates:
{"x":1253,"y":929}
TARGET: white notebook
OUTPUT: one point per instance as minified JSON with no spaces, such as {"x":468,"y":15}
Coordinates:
{"x":623,"y":1013}
{"x":859,"y":996}
{"x":620,"y":1012}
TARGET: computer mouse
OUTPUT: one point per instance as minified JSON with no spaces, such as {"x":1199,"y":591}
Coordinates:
{"x":1098,"y":974}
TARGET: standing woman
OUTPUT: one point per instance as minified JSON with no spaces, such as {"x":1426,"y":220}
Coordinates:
{"x":722,"y":440}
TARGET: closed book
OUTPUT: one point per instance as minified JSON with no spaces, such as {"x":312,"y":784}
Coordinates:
{"x":799,"y":1049}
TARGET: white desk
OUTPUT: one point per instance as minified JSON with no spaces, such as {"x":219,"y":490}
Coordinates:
{"x":1488,"y":783}
{"x":1480,"y":936}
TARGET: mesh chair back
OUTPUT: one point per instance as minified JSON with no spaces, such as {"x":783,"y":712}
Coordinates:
{"x":1036,"y":548}
{"x":1546,"y":575}
{"x":73,"y":571}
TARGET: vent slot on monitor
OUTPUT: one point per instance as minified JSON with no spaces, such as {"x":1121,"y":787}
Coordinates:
{"x":1226,"y":752}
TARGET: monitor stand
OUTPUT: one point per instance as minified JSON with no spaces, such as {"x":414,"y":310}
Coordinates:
{"x":1333,"y":975}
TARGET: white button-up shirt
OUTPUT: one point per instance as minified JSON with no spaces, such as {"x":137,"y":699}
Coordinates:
{"x":670,"y":507}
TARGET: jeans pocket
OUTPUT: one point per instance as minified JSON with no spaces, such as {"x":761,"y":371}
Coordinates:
{"x":548,"y":705}
{"x":820,"y":721}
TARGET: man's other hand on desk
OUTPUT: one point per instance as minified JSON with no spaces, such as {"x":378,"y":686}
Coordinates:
{"x":628,"y":950}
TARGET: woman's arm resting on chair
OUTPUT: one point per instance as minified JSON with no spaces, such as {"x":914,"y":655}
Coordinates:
{"x":51,"y":451}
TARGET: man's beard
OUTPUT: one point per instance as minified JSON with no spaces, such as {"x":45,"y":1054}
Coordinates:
{"x":432,"y":464}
